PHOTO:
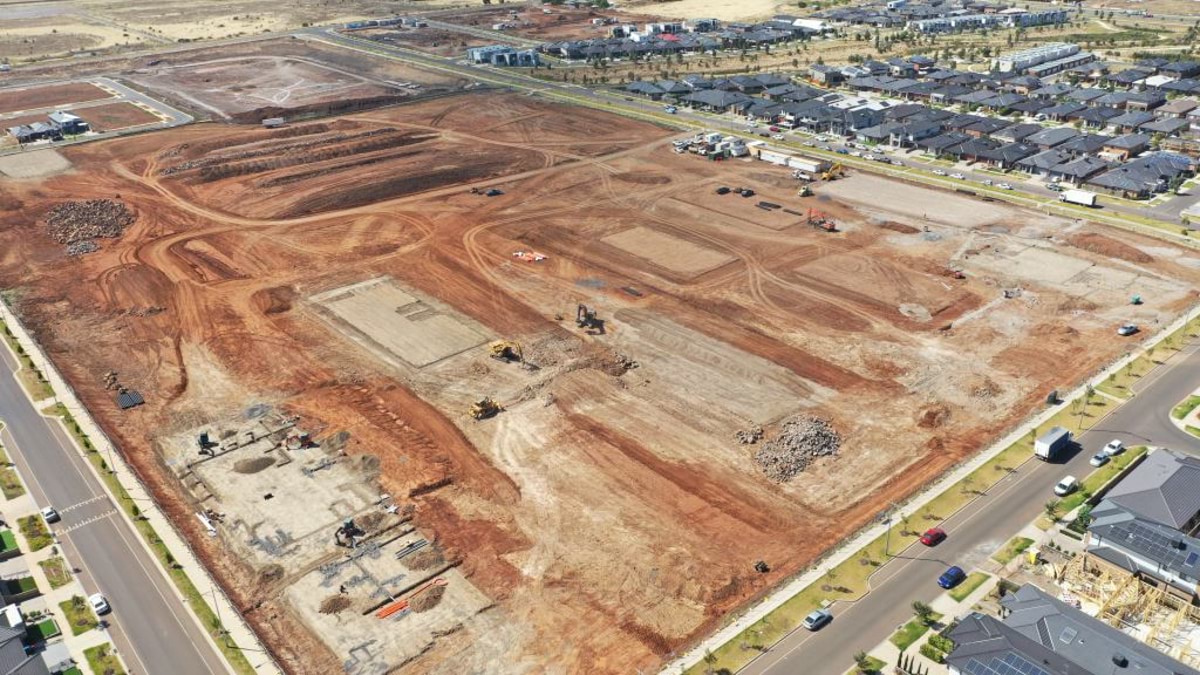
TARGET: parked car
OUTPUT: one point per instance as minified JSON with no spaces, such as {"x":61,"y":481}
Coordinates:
{"x":778,"y":137}
{"x":939,"y":172}
{"x":670,"y":110}
{"x":817,"y":618}
{"x":842,"y":151}
{"x":1054,"y":187}
{"x":933,"y":536}
{"x":826,"y":148}
{"x":1005,"y":186}
{"x":952,"y":577}
{"x":1114,"y":448}
{"x":1127,"y":329}
{"x":50,"y":514}
{"x":722,"y":190}
{"x":809,"y":144}
{"x":753,"y":125}
{"x":775,"y":129}
{"x":987,"y":181}
{"x":855,"y":153}
{"x":1099,"y":459}
{"x":99,"y":603}
{"x":1066,"y":486}
{"x":959,"y":176}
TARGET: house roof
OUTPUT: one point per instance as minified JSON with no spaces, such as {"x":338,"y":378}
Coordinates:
{"x":988,"y":125}
{"x":1085,"y":94}
{"x":985,"y":646}
{"x":1085,"y":144}
{"x":1044,"y":160}
{"x":943,"y":141}
{"x":1010,"y":153}
{"x":1128,"y":142}
{"x":13,"y":659}
{"x":1063,"y":109}
{"x":1180,"y":106}
{"x":1164,"y":488}
{"x":1051,"y":137}
{"x":1165,"y":547}
{"x":1091,"y":645}
{"x":976,"y":147}
{"x":1169,"y":125}
{"x":1098,"y":116}
{"x":1131,"y":119}
{"x":717,"y":98}
{"x":1030,"y":106}
{"x":1052,"y":91}
{"x":1017,"y":132}
{"x":1080,"y":168}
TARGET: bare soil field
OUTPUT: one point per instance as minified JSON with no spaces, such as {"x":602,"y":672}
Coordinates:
{"x":116,"y":116}
{"x":47,"y":96}
{"x":605,"y":515}
{"x":31,"y":32}
{"x":292,"y":78}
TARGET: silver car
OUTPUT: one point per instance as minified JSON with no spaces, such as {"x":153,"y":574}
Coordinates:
{"x":817,"y":619}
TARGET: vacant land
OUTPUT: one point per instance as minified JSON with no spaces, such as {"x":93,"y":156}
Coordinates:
{"x":291,"y":78}
{"x":48,"y":96}
{"x":348,"y":272}
{"x":548,"y":23}
{"x":116,"y":116}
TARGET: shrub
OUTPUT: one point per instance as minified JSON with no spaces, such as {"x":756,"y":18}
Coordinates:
{"x":932,"y":653}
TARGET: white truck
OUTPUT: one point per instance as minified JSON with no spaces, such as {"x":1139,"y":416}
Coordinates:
{"x":1081,"y":197}
{"x":1050,"y":445}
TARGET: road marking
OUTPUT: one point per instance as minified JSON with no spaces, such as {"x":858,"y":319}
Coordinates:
{"x":84,"y":523}
{"x":79,"y":505}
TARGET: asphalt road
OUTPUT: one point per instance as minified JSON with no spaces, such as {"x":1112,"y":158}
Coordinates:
{"x":149,"y":626}
{"x":981,"y":528}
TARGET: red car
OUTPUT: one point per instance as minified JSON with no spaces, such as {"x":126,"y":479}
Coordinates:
{"x":775,"y":129}
{"x":933,"y":536}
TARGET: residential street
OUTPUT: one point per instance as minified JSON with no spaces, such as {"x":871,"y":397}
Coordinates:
{"x":149,"y":626}
{"x":981,"y":528}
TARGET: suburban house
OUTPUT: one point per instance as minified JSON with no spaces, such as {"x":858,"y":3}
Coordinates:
{"x":1129,"y":145}
{"x":1144,"y":176}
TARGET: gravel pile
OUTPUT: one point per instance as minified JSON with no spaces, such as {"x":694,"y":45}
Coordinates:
{"x":800,"y":441}
{"x":82,"y":247}
{"x":71,"y":222}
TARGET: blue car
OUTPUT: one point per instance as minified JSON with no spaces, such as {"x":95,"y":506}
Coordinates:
{"x":952,"y":577}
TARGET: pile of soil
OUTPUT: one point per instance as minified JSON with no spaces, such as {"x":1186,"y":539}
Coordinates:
{"x":800,"y":441}
{"x":334,"y":604}
{"x":933,"y":416}
{"x":70,"y":222}
{"x":426,"y":559}
{"x":253,"y":464}
{"x":1107,"y":246}
{"x":427,"y":599}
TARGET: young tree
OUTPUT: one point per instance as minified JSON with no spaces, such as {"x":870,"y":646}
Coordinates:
{"x":1052,"y":507}
{"x":923,"y":612}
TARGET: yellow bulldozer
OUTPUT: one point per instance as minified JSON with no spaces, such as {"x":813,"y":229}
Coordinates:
{"x":485,"y":408}
{"x":835,"y":171}
{"x":507,"y":350}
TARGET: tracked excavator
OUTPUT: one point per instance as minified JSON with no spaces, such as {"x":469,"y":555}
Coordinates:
{"x":507,"y":350}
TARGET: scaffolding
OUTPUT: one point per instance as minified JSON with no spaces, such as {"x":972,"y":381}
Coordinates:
{"x":1140,"y":608}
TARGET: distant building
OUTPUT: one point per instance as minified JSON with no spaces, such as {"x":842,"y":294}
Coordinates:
{"x":68,"y":123}
{"x":1018,"y":62}
{"x":503,"y":55}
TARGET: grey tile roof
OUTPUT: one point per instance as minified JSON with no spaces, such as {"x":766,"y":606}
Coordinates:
{"x":1051,"y":137}
{"x":1084,"y":641}
{"x":985,"y":645}
{"x":1164,"y":126}
{"x":1166,"y":549}
{"x":1131,"y":119}
{"x":1164,"y":488}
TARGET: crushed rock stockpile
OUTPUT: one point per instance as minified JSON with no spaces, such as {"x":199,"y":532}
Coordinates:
{"x":800,"y":441}
{"x":73,"y":222}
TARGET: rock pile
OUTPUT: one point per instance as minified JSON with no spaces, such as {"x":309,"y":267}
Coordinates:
{"x":800,"y":441}
{"x":71,"y":222}
{"x":749,"y":436}
{"x":82,"y":247}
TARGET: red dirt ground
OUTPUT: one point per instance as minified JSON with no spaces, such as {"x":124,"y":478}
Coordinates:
{"x":607,"y":510}
{"x":116,"y":116}
{"x":33,"y":98}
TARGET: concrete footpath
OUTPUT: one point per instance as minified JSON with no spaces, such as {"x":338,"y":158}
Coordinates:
{"x":851,"y":546}
{"x":236,"y":627}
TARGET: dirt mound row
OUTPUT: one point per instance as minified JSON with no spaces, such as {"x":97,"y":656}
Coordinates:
{"x":1107,"y":246}
{"x":318,"y":110}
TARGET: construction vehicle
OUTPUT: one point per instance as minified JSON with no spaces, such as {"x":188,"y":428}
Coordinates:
{"x":821,"y":221}
{"x":348,"y":533}
{"x":507,"y":350}
{"x":835,"y":171}
{"x":485,"y":408}
{"x":586,"y":318}
{"x":805,"y":191}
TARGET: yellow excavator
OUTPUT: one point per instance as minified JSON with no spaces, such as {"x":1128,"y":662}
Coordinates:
{"x":507,"y":350}
{"x":485,"y":408}
{"x":834,"y":171}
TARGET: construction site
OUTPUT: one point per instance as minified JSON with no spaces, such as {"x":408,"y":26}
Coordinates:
{"x":484,"y":379}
